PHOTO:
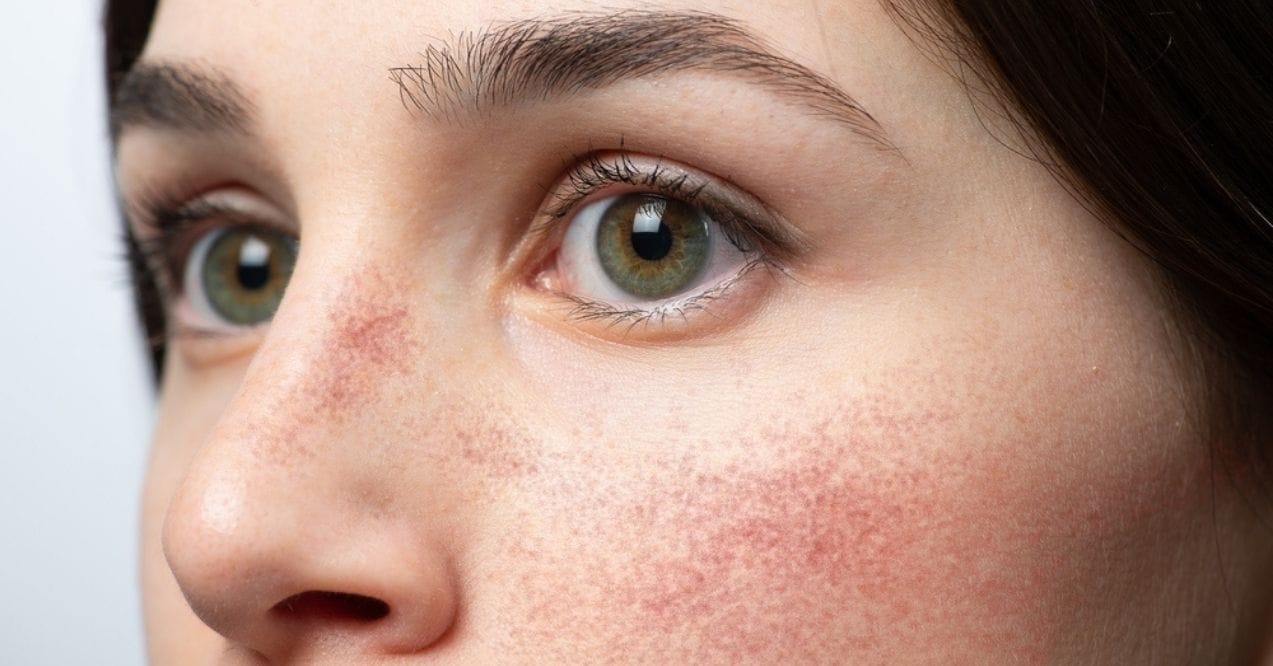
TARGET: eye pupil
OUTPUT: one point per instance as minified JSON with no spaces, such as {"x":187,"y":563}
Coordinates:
{"x":253,"y":277}
{"x":253,"y":270}
{"x":651,"y":238}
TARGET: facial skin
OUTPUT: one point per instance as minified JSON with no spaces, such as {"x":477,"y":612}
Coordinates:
{"x":949,"y":424}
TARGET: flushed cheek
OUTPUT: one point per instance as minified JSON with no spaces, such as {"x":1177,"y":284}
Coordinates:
{"x":774,"y":562}
{"x":868,"y":536}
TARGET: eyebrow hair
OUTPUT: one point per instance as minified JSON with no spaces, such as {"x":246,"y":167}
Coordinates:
{"x":540,"y":59}
{"x":178,"y":97}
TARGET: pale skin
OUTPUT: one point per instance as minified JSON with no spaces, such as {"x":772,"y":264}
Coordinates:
{"x":953,"y":428}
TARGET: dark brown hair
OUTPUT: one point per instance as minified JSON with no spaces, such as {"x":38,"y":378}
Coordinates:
{"x":1157,"y":113}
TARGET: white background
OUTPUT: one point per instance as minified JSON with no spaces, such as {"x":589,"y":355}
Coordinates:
{"x":75,"y":401}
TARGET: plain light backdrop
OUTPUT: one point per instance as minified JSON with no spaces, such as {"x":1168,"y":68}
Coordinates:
{"x":75,"y":402}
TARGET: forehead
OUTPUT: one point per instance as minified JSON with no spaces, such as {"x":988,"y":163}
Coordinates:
{"x":281,"y":48}
{"x":379,"y":26}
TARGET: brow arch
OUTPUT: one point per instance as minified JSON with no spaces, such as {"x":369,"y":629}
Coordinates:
{"x":534,"y":60}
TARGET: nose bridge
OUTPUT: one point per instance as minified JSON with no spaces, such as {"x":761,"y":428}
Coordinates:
{"x":348,"y":332}
{"x":341,"y":341}
{"x":279,"y":531}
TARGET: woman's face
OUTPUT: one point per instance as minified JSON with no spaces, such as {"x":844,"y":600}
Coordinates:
{"x":714,"y":333}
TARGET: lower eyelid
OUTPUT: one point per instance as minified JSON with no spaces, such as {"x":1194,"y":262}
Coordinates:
{"x":717,"y":308}
{"x":203,"y":348}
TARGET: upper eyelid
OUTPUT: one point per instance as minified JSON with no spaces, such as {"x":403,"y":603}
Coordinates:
{"x":170,"y":225}
{"x":735,"y":209}
{"x":229,"y":200}
{"x":569,"y":202}
{"x":593,"y":170}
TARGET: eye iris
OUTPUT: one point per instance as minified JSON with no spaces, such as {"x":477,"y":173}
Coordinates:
{"x":652,"y":246}
{"x":245,"y":274}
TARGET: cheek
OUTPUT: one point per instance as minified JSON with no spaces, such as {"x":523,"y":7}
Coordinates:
{"x":821,"y":525}
{"x":828,"y":551}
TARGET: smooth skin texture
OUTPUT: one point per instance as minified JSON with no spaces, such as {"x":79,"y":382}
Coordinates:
{"x":954,"y":429}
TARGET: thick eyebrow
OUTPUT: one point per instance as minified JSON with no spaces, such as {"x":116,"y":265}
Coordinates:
{"x":176,"y":97}
{"x":540,"y":59}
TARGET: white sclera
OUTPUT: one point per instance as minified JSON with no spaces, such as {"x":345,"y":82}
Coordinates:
{"x":192,"y":284}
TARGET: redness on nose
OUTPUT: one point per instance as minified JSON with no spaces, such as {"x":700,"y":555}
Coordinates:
{"x":374,"y":336}
{"x":370,"y":337}
{"x":331,"y":606}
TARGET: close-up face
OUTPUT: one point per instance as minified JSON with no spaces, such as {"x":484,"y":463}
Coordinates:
{"x":710,"y":332}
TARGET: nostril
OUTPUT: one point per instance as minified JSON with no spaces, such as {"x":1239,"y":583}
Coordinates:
{"x":338,"y":606}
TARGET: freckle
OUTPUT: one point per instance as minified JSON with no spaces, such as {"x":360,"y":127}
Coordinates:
{"x":276,"y":441}
{"x":503,"y":449}
{"x":369,"y":336}
{"x":768,"y":553}
{"x":376,"y":336}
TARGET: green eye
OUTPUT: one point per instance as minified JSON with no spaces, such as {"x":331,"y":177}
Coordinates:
{"x":651,"y":246}
{"x":237,"y":275}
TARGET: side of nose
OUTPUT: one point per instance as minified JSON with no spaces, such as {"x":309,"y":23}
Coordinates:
{"x":287,"y":532}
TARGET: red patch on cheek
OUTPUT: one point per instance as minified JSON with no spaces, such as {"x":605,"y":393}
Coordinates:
{"x":495,"y":455}
{"x":491,"y":440}
{"x":762,"y":550}
{"x":851,"y":537}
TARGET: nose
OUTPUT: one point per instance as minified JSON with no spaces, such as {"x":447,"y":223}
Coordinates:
{"x":286,"y":534}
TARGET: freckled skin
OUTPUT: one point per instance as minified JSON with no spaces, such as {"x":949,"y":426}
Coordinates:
{"x":824,"y":555}
{"x":957,"y":432}
{"x":369,"y":340}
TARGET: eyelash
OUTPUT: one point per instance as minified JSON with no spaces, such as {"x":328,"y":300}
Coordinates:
{"x":175,"y":223}
{"x":591,"y":310}
{"x":594,"y":173}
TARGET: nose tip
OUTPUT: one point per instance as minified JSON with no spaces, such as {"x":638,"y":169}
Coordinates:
{"x":282,"y":567}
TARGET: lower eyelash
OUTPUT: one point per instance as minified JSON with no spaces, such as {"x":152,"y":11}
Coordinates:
{"x":586,"y":309}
